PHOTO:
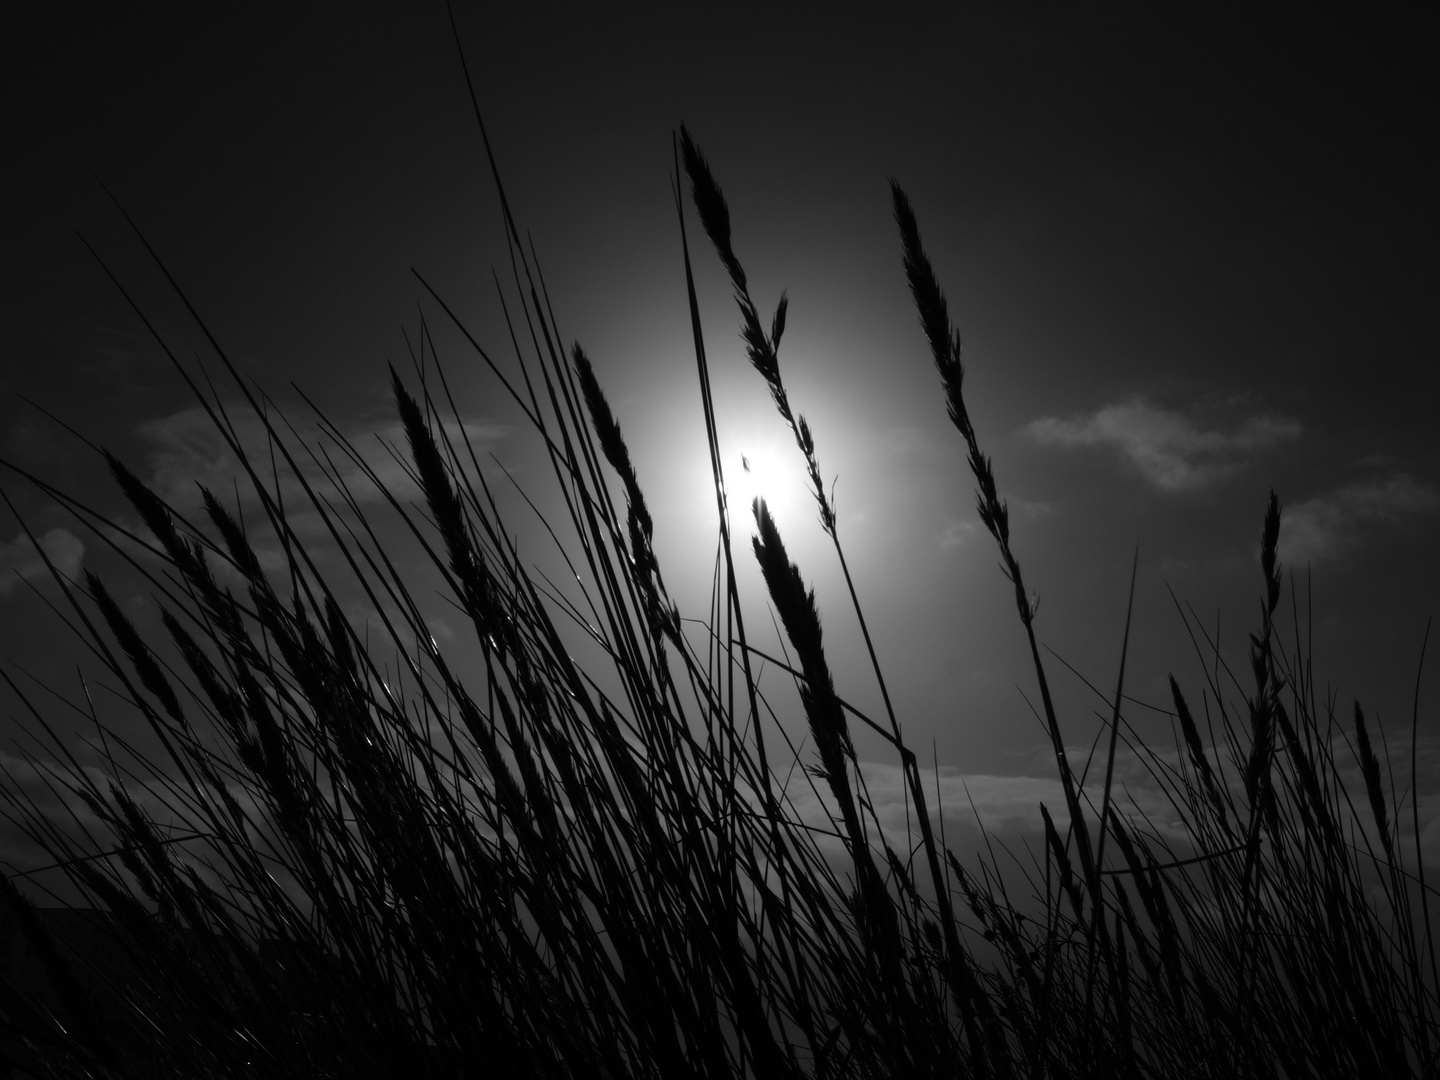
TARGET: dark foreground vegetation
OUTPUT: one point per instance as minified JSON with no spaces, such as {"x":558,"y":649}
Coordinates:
{"x":496,"y":859}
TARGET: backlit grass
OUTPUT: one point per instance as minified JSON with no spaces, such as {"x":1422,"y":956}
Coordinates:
{"x":562,"y":844}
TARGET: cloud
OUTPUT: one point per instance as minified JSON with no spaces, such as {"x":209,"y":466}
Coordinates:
{"x":1170,"y":449}
{"x":20,"y":561}
{"x":957,"y":533}
{"x":187,"y":450}
{"x":1005,"y":805}
{"x":1325,"y":528}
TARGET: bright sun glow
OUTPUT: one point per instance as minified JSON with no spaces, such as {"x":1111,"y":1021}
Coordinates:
{"x":768,"y":472}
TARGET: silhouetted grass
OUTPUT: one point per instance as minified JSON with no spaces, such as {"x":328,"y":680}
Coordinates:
{"x":494,"y":858}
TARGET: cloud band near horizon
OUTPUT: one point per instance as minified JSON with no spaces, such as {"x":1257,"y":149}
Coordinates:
{"x":1171,"y":450}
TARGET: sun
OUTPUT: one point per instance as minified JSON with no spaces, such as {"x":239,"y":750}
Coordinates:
{"x":764,"y":470}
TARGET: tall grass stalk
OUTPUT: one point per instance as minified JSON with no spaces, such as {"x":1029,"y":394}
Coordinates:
{"x":399,"y":857}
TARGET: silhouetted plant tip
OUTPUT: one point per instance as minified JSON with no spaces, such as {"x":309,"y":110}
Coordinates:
{"x":1370,"y":768}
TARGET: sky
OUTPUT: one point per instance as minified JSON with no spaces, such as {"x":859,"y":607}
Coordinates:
{"x":1191,"y":256}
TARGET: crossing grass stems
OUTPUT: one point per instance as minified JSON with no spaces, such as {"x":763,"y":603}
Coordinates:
{"x":409,"y":859}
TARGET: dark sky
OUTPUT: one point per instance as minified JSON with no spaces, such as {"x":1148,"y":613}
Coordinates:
{"x":1192,"y":256}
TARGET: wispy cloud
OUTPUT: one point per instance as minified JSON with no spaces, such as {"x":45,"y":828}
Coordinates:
{"x":187,"y":451}
{"x":1000,"y":805}
{"x":957,"y":533}
{"x":21,"y":561}
{"x":1327,"y":527}
{"x":1170,"y":448}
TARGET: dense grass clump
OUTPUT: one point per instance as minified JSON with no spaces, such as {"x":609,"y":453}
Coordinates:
{"x":494,"y":857}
